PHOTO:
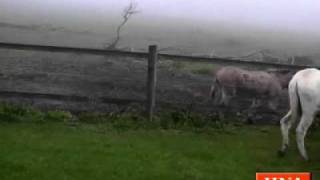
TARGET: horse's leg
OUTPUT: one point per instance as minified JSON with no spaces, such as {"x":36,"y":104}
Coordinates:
{"x":305,"y":123}
{"x":286,"y":123}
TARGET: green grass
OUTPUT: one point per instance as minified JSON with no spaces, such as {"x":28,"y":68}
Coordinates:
{"x":177,"y":145}
{"x":54,"y":150}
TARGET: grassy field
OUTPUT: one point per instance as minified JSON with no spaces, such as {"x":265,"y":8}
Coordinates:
{"x":178,"y":145}
{"x":56,"y":150}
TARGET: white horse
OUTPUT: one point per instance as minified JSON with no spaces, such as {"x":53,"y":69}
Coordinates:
{"x":304,"y":97}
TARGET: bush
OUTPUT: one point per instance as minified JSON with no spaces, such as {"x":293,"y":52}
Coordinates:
{"x":178,"y":119}
{"x":58,"y":116}
{"x":14,"y":113}
{"x":184,"y":119}
{"x":91,"y":118}
{"x":127,"y":121}
{"x":117,"y":120}
{"x":18,"y":113}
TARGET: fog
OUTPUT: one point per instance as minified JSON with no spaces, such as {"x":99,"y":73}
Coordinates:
{"x":225,"y":27}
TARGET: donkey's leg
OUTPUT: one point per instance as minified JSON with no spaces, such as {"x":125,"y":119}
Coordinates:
{"x":252,"y":110}
{"x":225,"y":97}
{"x":305,"y":123}
{"x":286,"y":123}
{"x":234,"y":92}
{"x":273,"y":104}
{"x":258,"y":102}
{"x":253,"y":103}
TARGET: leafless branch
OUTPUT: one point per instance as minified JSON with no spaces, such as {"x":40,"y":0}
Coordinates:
{"x":128,"y":11}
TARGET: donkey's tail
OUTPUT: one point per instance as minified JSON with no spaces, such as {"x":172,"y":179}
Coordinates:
{"x":212,"y":87}
{"x":216,"y":92}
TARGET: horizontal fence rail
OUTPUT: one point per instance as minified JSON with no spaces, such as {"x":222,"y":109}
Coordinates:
{"x":74,"y":98}
{"x":65,"y":49}
{"x":215,"y":60}
{"x":233,"y":62}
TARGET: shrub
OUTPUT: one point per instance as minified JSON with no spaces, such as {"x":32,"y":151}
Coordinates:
{"x":184,"y":119}
{"x":94,"y":118}
{"x":17,"y":113}
{"x":120,"y":121}
{"x":58,"y":116}
{"x":12,"y":113}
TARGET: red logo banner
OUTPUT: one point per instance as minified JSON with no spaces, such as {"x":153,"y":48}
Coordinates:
{"x":284,"y":176}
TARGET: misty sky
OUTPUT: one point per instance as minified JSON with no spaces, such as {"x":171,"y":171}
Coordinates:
{"x":300,"y":16}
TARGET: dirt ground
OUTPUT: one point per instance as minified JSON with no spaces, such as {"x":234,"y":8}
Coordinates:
{"x":104,"y":76}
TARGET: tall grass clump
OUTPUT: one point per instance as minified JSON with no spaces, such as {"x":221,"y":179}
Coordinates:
{"x":25,"y":113}
{"x":183,"y":119}
{"x":179,"y":119}
{"x":17,"y":113}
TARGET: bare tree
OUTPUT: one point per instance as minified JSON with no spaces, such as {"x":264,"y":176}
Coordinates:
{"x":128,"y":11}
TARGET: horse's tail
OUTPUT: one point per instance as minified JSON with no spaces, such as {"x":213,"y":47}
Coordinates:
{"x":295,"y":103}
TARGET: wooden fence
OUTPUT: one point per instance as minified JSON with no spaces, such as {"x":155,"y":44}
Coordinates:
{"x":152,"y":57}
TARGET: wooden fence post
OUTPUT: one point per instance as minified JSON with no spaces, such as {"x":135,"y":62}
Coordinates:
{"x":152,"y":80}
